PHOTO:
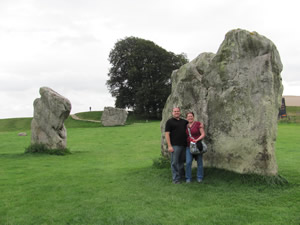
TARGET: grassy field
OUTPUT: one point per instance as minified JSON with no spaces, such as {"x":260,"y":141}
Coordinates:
{"x":109,"y":179}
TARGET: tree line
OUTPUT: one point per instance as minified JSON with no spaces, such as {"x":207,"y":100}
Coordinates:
{"x":140,"y":75}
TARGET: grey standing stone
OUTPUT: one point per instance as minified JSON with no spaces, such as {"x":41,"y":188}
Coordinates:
{"x":236,"y":93}
{"x":113,"y":116}
{"x":50,"y":112}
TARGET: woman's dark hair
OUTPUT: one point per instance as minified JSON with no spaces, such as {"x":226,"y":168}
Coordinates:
{"x":189,"y":113}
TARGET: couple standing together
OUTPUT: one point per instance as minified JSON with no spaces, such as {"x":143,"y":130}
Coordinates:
{"x":178,"y":140}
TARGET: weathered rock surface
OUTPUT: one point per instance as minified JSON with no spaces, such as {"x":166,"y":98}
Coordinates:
{"x":236,"y":93}
{"x":113,"y":116}
{"x":50,"y":112}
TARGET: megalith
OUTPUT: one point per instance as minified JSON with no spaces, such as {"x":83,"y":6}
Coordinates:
{"x":50,"y":112}
{"x":113,"y":116}
{"x":236,"y":93}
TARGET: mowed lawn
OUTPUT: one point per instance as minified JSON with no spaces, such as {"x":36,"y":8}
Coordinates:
{"x":109,"y":179}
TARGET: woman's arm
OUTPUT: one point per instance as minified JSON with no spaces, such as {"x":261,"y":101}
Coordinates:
{"x":202,"y":132}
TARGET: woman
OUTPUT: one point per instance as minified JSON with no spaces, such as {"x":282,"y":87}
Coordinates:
{"x":197,"y":133}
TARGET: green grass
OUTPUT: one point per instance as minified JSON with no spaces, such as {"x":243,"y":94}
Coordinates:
{"x":293,"y":110}
{"x":109,"y":179}
{"x":16,"y":124}
{"x":23,"y":124}
{"x":93,"y":115}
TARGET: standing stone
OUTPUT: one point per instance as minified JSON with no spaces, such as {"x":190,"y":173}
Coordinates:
{"x":113,"y":116}
{"x":50,"y":112}
{"x":236,"y":93}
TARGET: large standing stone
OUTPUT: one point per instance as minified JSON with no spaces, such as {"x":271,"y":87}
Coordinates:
{"x":113,"y":116}
{"x":236,"y":93}
{"x":50,"y":112}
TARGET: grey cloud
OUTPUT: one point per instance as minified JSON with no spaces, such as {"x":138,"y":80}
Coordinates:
{"x":76,"y":41}
{"x":65,"y":44}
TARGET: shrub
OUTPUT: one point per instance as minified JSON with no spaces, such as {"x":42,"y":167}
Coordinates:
{"x":161,"y":163}
{"x":42,"y":148}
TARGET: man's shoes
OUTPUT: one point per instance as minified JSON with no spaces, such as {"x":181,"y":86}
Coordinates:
{"x":199,"y":180}
{"x":188,"y":181}
{"x":176,"y":182}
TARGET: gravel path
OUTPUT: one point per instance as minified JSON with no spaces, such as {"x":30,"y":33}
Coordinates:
{"x":77,"y":118}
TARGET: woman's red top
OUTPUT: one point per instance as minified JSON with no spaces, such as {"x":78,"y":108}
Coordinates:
{"x":195,"y":131}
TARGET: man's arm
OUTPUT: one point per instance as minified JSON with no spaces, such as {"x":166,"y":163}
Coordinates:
{"x":170,"y":148}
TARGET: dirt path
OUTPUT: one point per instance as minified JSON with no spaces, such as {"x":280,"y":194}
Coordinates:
{"x":77,"y":118}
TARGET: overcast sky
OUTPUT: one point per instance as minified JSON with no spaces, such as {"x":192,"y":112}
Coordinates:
{"x":64,"y":44}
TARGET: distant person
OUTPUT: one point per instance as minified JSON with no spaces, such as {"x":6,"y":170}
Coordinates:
{"x":197,"y":133}
{"x":175,"y":133}
{"x":90,"y":108}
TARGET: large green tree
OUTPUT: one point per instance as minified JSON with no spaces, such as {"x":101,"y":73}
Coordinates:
{"x":140,"y":75}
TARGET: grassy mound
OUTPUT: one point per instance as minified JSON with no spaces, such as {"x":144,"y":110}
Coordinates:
{"x":23,"y":124}
{"x":93,"y":115}
{"x":131,"y":118}
{"x":16,"y":124}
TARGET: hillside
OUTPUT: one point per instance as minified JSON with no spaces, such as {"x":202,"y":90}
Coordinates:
{"x":23,"y":124}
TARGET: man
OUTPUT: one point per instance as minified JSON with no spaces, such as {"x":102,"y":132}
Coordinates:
{"x":177,"y":140}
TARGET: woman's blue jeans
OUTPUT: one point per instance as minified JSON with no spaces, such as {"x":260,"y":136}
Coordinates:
{"x":188,"y":170}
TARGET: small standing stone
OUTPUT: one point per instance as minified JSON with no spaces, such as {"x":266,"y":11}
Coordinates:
{"x":50,"y":112}
{"x":114,"y":116}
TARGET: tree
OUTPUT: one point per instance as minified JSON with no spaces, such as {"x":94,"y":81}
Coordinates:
{"x":140,"y":75}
